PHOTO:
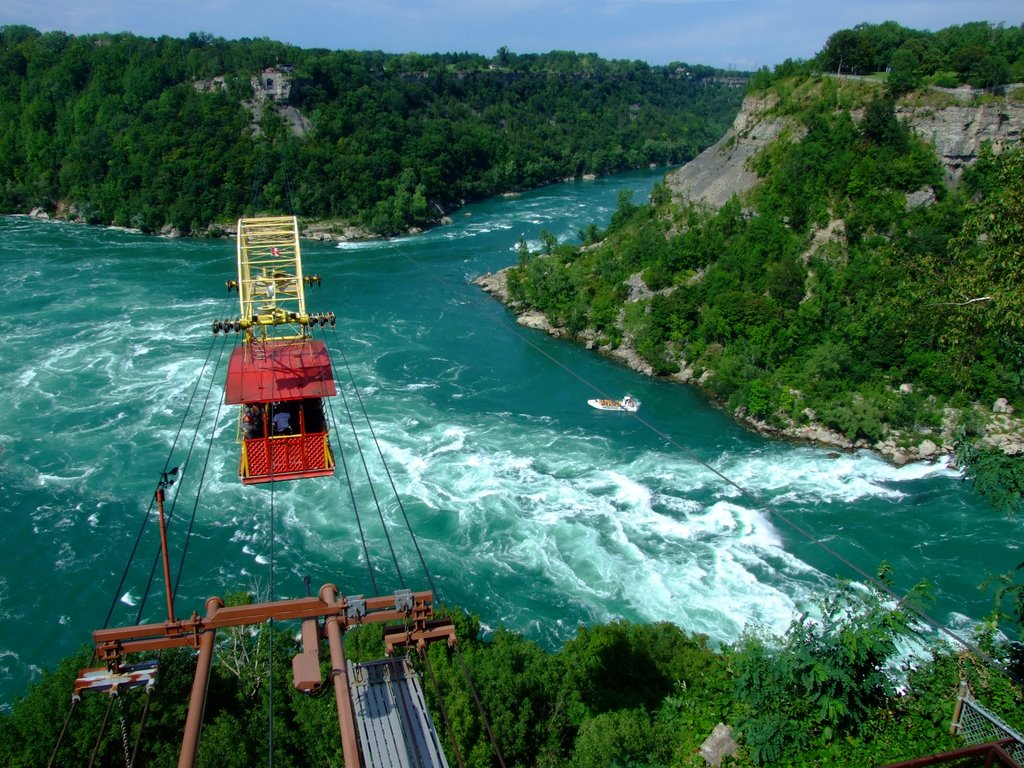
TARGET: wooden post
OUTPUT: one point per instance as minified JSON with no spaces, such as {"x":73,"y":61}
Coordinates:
{"x":959,"y":708}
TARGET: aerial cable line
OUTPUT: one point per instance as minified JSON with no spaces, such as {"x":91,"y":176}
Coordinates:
{"x":142,"y":724}
{"x":479,"y":706}
{"x":352,"y":493}
{"x":397,"y":496}
{"x":444,"y":710}
{"x":199,"y":490}
{"x":288,"y":192}
{"x":355,"y":509}
{"x":188,"y":457}
{"x":102,"y":731}
{"x":387,"y":470}
{"x":149,"y":509}
{"x":256,"y":192}
{"x":878,"y":584}
{"x":63,"y":730}
{"x":369,"y":479}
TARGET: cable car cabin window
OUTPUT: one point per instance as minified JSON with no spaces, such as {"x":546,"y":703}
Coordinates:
{"x":284,"y":440}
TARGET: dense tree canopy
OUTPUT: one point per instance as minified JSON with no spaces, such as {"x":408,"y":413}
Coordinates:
{"x":823,"y":295}
{"x":979,"y":53}
{"x":827,"y":692}
{"x":142,"y":133}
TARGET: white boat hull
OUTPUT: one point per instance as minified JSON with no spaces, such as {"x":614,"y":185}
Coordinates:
{"x":627,"y":404}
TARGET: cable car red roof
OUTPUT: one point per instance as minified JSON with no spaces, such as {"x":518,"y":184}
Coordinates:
{"x":279,"y":370}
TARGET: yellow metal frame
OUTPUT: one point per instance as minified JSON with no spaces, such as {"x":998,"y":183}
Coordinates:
{"x":328,"y":454}
{"x":270,"y":280}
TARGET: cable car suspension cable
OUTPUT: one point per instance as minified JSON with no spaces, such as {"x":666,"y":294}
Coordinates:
{"x":102,"y":731}
{"x":63,"y":730}
{"x":352,"y":496}
{"x":424,"y":655}
{"x":167,"y":465}
{"x":188,"y":457}
{"x":387,"y":470}
{"x":195,"y":505}
{"x":372,"y":488}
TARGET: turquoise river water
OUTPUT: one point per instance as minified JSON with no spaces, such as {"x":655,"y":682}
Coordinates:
{"x":529,"y":508}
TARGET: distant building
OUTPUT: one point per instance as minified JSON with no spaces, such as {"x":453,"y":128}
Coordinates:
{"x":273,"y":84}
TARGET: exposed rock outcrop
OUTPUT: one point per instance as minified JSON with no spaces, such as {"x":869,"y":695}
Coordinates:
{"x":957,"y":131}
{"x":721,"y":171}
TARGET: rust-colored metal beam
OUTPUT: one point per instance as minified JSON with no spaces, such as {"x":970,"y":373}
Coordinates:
{"x":197,"y":702}
{"x":411,"y":612}
{"x":978,"y":755}
{"x":418,"y":635}
{"x":163,"y":547}
{"x":339,"y":674}
{"x":112,"y":644}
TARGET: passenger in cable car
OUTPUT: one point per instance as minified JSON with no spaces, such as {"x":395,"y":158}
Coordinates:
{"x":252,"y":421}
{"x":282,"y":423}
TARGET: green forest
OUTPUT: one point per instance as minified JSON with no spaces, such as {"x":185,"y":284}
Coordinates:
{"x":908,"y":326}
{"x":834,"y":690}
{"x":931,"y":296}
{"x":144,"y":133}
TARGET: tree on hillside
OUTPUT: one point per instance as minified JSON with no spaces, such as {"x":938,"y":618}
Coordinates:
{"x":986,"y":279}
{"x":904,"y":76}
{"x":846,"y":51}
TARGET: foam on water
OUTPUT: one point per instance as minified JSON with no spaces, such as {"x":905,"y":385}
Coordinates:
{"x":608,"y":537}
{"x":529,"y":508}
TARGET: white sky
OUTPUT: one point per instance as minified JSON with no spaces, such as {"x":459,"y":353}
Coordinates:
{"x":741,"y":34}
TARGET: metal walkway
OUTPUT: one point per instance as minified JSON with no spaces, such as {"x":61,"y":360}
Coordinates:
{"x":395,"y":728}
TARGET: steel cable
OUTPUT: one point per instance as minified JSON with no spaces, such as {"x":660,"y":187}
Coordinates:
{"x":372,"y":488}
{"x":387,"y":471}
{"x":762,"y":505}
{"x":188,"y":456}
{"x":63,"y":731}
{"x":352,"y":494}
{"x":167,"y":464}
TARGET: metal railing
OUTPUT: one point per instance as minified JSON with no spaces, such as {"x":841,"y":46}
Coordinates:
{"x":976,"y":725}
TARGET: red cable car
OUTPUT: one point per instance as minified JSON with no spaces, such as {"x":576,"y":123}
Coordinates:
{"x":278,"y":375}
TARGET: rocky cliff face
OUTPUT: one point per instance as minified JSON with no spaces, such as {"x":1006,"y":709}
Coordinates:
{"x":957,"y":130}
{"x":720,"y":171}
{"x":956,"y":123}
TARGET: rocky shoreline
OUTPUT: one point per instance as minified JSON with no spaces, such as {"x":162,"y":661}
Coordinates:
{"x":1002,"y":430}
{"x":322,"y":231}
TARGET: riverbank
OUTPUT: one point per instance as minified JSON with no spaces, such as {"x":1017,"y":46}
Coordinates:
{"x":336,"y":231}
{"x":999,"y":428}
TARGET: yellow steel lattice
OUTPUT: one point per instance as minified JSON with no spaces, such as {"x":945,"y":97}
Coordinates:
{"x":272,"y":302}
